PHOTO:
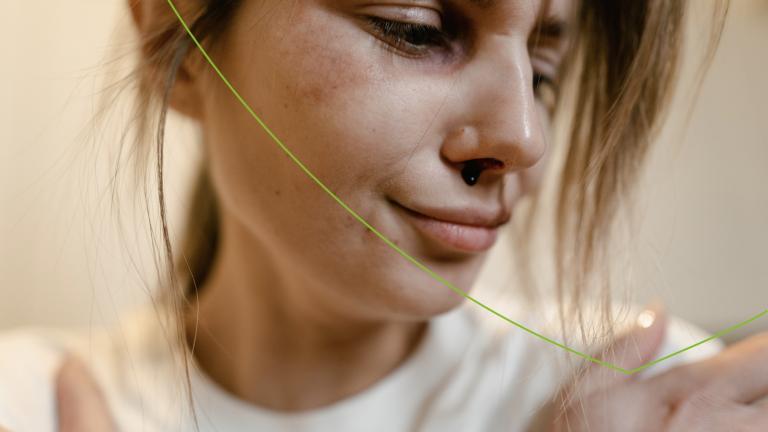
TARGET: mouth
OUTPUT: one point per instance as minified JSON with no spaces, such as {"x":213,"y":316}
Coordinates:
{"x":465,"y":231}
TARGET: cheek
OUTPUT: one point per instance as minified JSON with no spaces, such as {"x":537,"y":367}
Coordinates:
{"x":332,"y":96}
{"x":336,"y":99}
{"x":349,"y":124}
{"x":315,"y":81}
{"x":532,"y":178}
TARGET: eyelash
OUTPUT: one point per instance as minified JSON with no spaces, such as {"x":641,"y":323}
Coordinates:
{"x":415,"y":40}
{"x":540,"y":79}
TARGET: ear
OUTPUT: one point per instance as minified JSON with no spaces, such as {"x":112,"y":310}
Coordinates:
{"x":153,"y":21}
{"x":135,"y":6}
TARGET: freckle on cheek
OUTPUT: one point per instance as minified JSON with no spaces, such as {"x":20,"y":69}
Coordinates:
{"x":315,"y":93}
{"x":325,"y":74}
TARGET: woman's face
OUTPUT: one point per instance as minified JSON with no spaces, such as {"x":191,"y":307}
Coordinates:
{"x":384,"y":101}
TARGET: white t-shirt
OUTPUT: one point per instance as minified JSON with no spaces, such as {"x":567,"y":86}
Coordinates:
{"x":471,"y":372}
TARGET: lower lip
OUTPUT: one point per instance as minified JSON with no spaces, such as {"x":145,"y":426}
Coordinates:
{"x":464,"y":238}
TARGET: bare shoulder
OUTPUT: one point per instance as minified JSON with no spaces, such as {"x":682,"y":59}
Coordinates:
{"x":29,"y":359}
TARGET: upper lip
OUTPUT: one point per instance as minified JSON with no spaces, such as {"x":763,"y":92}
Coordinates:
{"x":471,"y":216}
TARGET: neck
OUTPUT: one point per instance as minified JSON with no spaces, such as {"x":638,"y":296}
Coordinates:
{"x":265,"y":338}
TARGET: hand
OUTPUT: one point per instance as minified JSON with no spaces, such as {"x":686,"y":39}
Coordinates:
{"x":81,"y":405}
{"x":721,"y":393}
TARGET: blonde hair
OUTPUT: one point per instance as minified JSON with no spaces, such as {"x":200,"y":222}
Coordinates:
{"x":621,"y":73}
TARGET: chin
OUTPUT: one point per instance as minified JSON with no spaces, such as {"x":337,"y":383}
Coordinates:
{"x":423,"y":297}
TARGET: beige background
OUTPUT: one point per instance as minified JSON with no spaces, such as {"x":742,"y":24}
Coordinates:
{"x":701,"y":246}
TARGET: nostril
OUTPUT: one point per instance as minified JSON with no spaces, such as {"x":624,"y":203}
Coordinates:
{"x":472,"y":169}
{"x":471,"y":173}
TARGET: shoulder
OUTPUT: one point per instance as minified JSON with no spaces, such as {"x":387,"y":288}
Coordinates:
{"x":131,"y":361}
{"x":29,"y":359}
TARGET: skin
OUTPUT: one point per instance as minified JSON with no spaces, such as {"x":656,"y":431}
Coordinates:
{"x":304,"y":306}
{"x":296,"y":277}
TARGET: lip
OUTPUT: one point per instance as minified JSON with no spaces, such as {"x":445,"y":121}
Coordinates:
{"x":460,"y":230}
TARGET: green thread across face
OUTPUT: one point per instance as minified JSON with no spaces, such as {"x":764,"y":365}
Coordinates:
{"x":413,"y":260}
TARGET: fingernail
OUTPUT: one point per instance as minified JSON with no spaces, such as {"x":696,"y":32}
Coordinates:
{"x":649,"y":315}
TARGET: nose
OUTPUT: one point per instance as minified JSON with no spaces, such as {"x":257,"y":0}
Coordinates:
{"x":497,"y":117}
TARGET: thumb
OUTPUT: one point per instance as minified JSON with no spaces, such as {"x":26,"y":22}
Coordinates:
{"x":630,"y":350}
{"x":81,"y":406}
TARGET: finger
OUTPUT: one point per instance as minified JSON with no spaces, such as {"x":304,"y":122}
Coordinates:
{"x":755,"y":419}
{"x":674,"y":384}
{"x":81,"y":406}
{"x":744,"y":370}
{"x":761,"y":420}
{"x":762,"y":404}
{"x":738,"y":374}
{"x":635,"y":348}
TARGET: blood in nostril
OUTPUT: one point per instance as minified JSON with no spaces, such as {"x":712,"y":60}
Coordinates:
{"x":473,"y":168}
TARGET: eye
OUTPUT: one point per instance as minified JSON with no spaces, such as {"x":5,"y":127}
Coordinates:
{"x":545,"y":89}
{"x":540,"y":80}
{"x":411,"y":38}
